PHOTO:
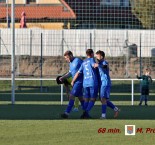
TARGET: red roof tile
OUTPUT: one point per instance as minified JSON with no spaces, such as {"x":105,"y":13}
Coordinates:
{"x":62,"y":11}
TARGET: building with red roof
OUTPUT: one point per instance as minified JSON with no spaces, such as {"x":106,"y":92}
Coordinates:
{"x":53,"y":14}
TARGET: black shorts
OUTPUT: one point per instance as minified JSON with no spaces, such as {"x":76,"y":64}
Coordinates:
{"x":145,"y":91}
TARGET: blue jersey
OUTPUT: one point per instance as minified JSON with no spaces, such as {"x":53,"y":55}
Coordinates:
{"x":104,"y":73}
{"x":90,"y":75}
{"x":74,"y":67}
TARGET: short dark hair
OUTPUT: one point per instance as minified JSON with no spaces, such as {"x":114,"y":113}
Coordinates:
{"x":101,"y":53}
{"x":89,"y":52}
{"x":69,"y":53}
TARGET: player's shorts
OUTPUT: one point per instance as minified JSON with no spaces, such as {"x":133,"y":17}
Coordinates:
{"x":91,"y":92}
{"x":144,"y":91}
{"x":105,"y":91}
{"x":77,"y":90}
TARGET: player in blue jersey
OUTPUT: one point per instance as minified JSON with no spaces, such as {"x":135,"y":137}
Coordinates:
{"x":90,"y":82}
{"x":74,"y":65}
{"x":105,"y":85}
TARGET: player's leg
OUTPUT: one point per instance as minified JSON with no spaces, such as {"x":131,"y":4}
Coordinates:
{"x":146,"y":99}
{"x":76,"y":105}
{"x":141,"y":99}
{"x":86,"y":101}
{"x":93,"y":96}
{"x":69,"y":107}
{"x":79,"y":94}
{"x":146,"y":96}
{"x":110,"y":104}
{"x":142,"y":96}
{"x":103,"y":101}
{"x":74,"y":92}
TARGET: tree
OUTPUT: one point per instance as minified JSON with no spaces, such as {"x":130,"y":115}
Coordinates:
{"x":144,"y":10}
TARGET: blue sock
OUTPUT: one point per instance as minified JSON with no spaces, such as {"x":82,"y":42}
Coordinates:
{"x":82,"y":104}
{"x":110,"y":104}
{"x":69,"y":107}
{"x":90,"y":106}
{"x":104,"y":108}
{"x":142,"y":98}
{"x":85,"y":105}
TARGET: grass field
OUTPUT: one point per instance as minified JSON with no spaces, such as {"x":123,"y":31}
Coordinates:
{"x":35,"y":120}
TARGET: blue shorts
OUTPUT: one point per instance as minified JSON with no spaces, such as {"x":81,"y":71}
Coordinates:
{"x":105,"y":91}
{"x":77,"y":90}
{"x":91,"y":92}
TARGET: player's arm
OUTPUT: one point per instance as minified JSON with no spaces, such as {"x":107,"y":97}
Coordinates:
{"x":104,"y":65}
{"x":77,"y":75}
{"x":67,"y":75}
{"x":137,"y":76}
{"x":150,"y":79}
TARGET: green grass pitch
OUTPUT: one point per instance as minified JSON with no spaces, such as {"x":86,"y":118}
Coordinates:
{"x":39,"y":123}
{"x":35,"y":120}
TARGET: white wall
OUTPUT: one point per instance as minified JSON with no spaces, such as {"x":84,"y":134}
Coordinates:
{"x":56,"y":42}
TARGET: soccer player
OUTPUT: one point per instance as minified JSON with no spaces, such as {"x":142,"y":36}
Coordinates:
{"x":67,"y":84}
{"x":105,"y":85}
{"x":74,"y":65}
{"x":90,"y":82}
{"x":146,"y":79}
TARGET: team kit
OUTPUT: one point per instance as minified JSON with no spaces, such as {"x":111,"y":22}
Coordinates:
{"x":87,"y":79}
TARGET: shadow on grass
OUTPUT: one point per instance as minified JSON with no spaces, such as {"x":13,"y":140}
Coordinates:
{"x":52,"y":112}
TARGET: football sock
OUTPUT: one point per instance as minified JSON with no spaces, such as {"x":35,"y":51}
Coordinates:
{"x":110,"y":104}
{"x":103,"y":115}
{"x":104,"y":108}
{"x":85,"y":105}
{"x":90,"y":106}
{"x":69,"y":107}
{"x":82,"y":104}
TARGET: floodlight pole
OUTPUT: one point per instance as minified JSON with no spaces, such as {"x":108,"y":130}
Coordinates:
{"x":140,"y":55}
{"x":13,"y":52}
{"x":7,"y":13}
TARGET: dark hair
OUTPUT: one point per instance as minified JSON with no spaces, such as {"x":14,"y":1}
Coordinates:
{"x":58,"y":81}
{"x":69,"y":53}
{"x":89,"y":52}
{"x":101,"y":53}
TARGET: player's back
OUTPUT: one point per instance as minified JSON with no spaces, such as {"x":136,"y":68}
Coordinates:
{"x":104,"y":72}
{"x":90,"y":77}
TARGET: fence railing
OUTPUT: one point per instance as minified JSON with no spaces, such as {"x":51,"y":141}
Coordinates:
{"x":130,"y":86}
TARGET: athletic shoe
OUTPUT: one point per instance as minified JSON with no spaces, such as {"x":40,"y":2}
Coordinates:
{"x":102,"y":118}
{"x":65,"y":116}
{"x":140,"y":104}
{"x":83,"y":115}
{"x":116,"y":113}
{"x":146,"y":104}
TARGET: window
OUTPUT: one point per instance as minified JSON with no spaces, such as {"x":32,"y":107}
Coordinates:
{"x":31,"y":1}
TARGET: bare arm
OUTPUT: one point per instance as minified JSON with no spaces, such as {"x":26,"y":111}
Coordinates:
{"x":67,"y":75}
